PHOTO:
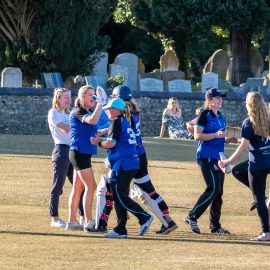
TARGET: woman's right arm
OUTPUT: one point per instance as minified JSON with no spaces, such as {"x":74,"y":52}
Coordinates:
{"x":56,"y":121}
{"x":94,"y":117}
{"x":200,"y":136}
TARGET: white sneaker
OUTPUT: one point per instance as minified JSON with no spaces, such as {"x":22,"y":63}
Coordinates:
{"x":82,"y":220}
{"x":58,"y":223}
{"x":74,"y":225}
{"x":89,"y":225}
{"x":113,"y":234}
{"x":146,"y":225}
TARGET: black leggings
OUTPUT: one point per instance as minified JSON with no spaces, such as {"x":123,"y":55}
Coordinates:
{"x":240,"y":172}
{"x":257,"y":182}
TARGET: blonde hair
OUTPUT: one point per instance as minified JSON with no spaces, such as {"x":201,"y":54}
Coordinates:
{"x":170,"y":101}
{"x":81,"y":93}
{"x":259,"y":114}
{"x":58,"y":92}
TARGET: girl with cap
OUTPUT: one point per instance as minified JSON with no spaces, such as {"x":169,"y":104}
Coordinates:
{"x":123,"y":158}
{"x":210,"y":132}
{"x":256,"y":139}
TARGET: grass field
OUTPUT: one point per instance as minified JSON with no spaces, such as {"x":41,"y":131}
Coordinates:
{"x":27,"y":241}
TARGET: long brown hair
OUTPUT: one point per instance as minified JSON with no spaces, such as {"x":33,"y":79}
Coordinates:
{"x":58,"y":92}
{"x":258,"y":114}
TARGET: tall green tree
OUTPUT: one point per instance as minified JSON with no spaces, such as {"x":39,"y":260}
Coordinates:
{"x":61,"y":35}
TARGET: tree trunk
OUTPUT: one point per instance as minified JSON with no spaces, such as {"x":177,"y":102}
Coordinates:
{"x":241,"y":44}
{"x":181,"y":43}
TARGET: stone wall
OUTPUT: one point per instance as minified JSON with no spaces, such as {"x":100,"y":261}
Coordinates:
{"x":24,"y":110}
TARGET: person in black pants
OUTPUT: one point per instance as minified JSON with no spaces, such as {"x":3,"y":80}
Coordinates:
{"x":210,"y":134}
{"x":256,"y":138}
{"x":58,"y":120}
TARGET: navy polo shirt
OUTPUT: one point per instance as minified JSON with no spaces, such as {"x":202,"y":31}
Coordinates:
{"x":259,"y":147}
{"x":81,"y":132}
{"x":136,"y":126}
{"x":124,"y":154}
{"x":209,"y":122}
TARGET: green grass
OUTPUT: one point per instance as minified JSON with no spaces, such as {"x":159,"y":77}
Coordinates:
{"x":27,"y":242}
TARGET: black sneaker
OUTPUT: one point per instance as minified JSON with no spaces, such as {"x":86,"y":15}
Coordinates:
{"x":192,"y":224}
{"x":101,"y":229}
{"x":220,"y":230}
{"x":253,"y":206}
{"x":166,"y":230}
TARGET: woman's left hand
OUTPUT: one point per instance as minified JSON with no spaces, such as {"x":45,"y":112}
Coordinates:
{"x":95,"y":140}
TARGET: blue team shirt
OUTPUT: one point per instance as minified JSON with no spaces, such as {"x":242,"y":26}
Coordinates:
{"x":82,"y":132}
{"x":136,"y":126}
{"x":210,"y":123}
{"x":124,"y":154}
{"x":259,"y":147}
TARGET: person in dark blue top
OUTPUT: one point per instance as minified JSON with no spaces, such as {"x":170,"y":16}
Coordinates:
{"x":210,"y":133}
{"x":143,"y":185}
{"x":83,"y":125}
{"x":256,"y":138}
{"x":124,"y":161}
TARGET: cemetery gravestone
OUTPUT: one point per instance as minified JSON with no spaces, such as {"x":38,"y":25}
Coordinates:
{"x":150,"y":84}
{"x":209,"y":79}
{"x":119,"y":69}
{"x":100,"y":69}
{"x":253,"y":84}
{"x":95,"y":81}
{"x":256,"y":62}
{"x":11,"y":77}
{"x":169,"y":61}
{"x":180,"y":86}
{"x":130,"y":61}
{"x":52,"y":80}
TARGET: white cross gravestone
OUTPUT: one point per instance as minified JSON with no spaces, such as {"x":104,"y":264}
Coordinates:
{"x":100,"y":68}
{"x":11,"y":77}
{"x":209,"y":79}
{"x":119,"y":69}
{"x":149,"y":84}
{"x":180,"y":86}
{"x":131,"y":62}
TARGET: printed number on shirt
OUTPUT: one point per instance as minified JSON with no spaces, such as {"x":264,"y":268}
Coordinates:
{"x":138,"y":131}
{"x":132,"y":139}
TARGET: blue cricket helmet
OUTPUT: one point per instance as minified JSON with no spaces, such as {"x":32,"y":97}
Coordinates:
{"x":123,"y":92}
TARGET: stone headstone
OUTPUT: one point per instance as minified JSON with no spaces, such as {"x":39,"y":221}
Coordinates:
{"x":100,"y":68}
{"x":130,"y":61}
{"x":95,"y":81}
{"x":141,"y":66}
{"x":180,"y":86}
{"x":256,"y":62}
{"x":119,"y":69}
{"x":252,"y":84}
{"x":52,"y":80}
{"x":209,"y":79}
{"x":150,"y":84}
{"x":171,"y":76}
{"x":169,"y":61}
{"x":218,"y":63}
{"x":11,"y":77}
{"x":224,"y":84}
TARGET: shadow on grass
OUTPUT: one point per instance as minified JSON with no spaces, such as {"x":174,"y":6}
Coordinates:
{"x":175,"y":237}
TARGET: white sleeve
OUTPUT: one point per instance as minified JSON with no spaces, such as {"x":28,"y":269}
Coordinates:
{"x":54,"y":117}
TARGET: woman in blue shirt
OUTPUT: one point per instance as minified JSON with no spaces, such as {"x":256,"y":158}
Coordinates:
{"x":210,"y":133}
{"x":256,"y":138}
{"x":83,"y":124}
{"x":124,"y":161}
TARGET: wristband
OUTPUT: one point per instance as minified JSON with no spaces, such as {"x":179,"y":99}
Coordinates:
{"x":99,"y":144}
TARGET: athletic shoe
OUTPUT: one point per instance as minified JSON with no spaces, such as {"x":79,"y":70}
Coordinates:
{"x":89,"y":225}
{"x":165,"y":230}
{"x":254,"y":205}
{"x":113,"y":234}
{"x":220,"y":230}
{"x":101,"y":229}
{"x":192,"y":224}
{"x":82,"y":220}
{"x":74,"y":226}
{"x":58,"y":223}
{"x":263,"y":238}
{"x":144,"y":228}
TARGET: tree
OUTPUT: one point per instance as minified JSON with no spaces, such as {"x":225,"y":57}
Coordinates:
{"x":61,"y":35}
